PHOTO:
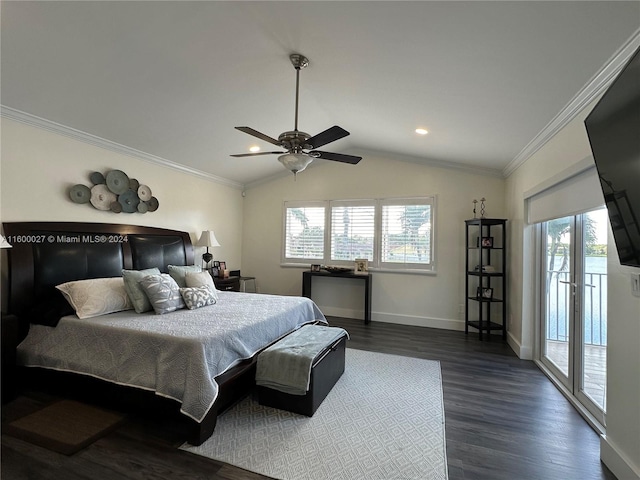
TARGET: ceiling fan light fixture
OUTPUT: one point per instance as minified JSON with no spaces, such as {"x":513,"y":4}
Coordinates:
{"x":295,"y":162}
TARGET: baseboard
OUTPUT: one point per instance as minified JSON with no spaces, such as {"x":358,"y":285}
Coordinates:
{"x":442,"y":323}
{"x":616,"y":461}
{"x":523,"y":352}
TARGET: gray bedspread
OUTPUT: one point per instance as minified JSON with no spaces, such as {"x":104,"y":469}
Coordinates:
{"x":178,"y":354}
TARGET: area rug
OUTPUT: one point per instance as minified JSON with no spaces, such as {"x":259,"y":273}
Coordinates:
{"x":383,"y":420}
{"x":65,"y":426}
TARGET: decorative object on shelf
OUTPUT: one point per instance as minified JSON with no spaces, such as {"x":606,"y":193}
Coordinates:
{"x":485,"y":293}
{"x":486,"y":242}
{"x":482,"y":200}
{"x":362,"y":266}
{"x":4,"y":243}
{"x":115,"y":192}
{"x":315,"y":267}
{"x":475,"y":203}
{"x":485,"y":268}
{"x":207,"y":239}
{"x":333,"y":269}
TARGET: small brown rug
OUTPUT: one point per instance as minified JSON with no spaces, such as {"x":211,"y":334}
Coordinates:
{"x":65,"y":426}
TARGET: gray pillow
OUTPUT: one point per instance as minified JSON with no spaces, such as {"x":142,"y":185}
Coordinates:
{"x":197,"y":297}
{"x":163,"y":293}
{"x":135,"y":292}
{"x":178,"y":272}
{"x":201,"y":279}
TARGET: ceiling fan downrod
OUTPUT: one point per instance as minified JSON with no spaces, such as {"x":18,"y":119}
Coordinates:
{"x":299,"y":62}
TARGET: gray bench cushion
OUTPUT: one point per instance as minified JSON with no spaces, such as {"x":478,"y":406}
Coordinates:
{"x":286,"y":365}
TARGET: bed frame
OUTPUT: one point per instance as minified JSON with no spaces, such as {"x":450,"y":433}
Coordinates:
{"x":46,"y":254}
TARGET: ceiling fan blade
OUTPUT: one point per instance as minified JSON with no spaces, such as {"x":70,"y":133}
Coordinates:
{"x":256,"y":153}
{"x":261,"y":136}
{"x":329,"y":135}
{"x":338,"y":157}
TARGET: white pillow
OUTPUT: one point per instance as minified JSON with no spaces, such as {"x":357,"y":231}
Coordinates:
{"x":163,"y":293}
{"x":201,"y":279}
{"x":178,"y":272}
{"x":197,"y":297}
{"x":97,"y":296}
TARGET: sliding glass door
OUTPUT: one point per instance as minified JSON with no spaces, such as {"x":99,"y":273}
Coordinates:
{"x":574,"y":293}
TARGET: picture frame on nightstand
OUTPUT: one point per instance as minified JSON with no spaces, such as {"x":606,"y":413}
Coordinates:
{"x":361,"y":266}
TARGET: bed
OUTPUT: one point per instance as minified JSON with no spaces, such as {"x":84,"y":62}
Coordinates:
{"x":197,"y":362}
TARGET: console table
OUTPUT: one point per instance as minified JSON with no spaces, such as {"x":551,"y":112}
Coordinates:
{"x":307,"y":275}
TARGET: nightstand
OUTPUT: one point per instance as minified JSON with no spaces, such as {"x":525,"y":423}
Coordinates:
{"x":9,"y":334}
{"x":230,"y":284}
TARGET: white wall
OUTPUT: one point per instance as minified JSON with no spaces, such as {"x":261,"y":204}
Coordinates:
{"x":38,"y":167}
{"x":425,"y":300}
{"x":568,"y":148}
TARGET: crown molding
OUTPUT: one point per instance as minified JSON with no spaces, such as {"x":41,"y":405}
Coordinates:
{"x":34,"y":121}
{"x":595,"y":87}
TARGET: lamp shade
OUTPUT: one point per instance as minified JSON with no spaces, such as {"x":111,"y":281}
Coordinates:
{"x":295,"y":162}
{"x":207,"y":239}
{"x":4,"y":243}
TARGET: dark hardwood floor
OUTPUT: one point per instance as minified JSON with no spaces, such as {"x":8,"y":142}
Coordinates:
{"x":504,"y":420}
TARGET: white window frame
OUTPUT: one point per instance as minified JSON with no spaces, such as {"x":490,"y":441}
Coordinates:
{"x":350,"y":203}
{"x":376,"y":264}
{"x":395,"y":266}
{"x":306,"y":261}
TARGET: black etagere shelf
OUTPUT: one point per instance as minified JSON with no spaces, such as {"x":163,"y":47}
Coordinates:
{"x":485,"y":279}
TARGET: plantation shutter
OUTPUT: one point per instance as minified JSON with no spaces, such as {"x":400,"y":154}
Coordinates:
{"x":406,"y":233}
{"x":352,"y":230}
{"x":304,"y":232}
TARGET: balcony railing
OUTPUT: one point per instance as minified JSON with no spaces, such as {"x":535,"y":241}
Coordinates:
{"x":594,"y":306}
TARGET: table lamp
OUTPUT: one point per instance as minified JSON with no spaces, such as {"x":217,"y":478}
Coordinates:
{"x":207,"y":239}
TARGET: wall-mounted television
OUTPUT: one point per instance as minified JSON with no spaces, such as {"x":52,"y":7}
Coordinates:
{"x":613,"y":127}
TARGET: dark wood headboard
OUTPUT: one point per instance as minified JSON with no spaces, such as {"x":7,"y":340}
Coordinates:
{"x":46,"y":254}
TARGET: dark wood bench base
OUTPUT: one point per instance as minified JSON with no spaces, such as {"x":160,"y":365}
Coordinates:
{"x":325,"y":372}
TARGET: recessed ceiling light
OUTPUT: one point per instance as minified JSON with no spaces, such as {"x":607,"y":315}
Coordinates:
{"x":254,"y":149}
{"x":421,"y":131}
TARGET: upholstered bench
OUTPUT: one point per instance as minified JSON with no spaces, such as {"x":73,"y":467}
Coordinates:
{"x":298,"y":372}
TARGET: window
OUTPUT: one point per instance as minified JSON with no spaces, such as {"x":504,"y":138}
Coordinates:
{"x":406,"y":233}
{"x":352,"y":230}
{"x":304,"y":232}
{"x":393,"y":234}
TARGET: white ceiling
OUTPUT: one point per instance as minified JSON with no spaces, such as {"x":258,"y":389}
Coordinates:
{"x":172,"y":79}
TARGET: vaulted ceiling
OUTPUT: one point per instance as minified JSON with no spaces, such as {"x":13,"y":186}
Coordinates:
{"x":173,"y":79}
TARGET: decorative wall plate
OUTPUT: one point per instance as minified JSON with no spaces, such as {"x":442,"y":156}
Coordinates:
{"x":115,"y":192}
{"x":80,"y":193}
{"x":117,"y":181}
{"x":101,"y":197}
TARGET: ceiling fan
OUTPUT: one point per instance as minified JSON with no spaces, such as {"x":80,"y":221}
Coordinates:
{"x":300,"y":147}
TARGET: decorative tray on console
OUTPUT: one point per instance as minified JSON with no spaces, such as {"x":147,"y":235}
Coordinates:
{"x":331,"y":269}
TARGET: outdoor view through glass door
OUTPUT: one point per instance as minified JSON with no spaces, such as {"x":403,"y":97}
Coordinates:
{"x":574,"y":324}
